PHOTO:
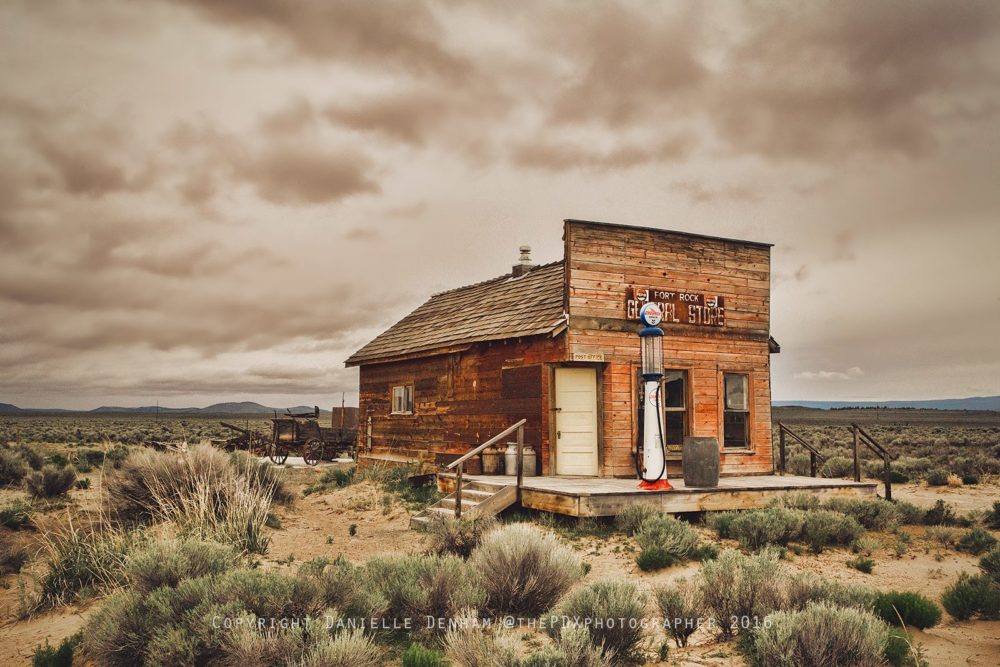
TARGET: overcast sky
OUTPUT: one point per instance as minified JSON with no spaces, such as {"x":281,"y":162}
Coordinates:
{"x":222,"y":200}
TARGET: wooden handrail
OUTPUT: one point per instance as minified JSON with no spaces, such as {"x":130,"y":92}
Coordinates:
{"x":460,"y":462}
{"x":492,"y":441}
{"x":862,"y":437}
{"x":814,"y":455}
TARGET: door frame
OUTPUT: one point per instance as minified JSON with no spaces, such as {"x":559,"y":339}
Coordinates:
{"x":553,"y":415}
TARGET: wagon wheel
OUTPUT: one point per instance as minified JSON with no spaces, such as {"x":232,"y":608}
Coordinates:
{"x":278,"y":454}
{"x":312,"y":453}
{"x":257,"y":444}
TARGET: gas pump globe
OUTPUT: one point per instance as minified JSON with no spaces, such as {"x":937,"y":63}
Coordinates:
{"x":653,"y":472}
{"x":651,"y":343}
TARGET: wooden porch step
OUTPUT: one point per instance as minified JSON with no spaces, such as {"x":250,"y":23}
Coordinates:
{"x":478,"y":499}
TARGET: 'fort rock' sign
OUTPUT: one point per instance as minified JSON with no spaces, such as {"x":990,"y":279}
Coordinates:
{"x":678,"y":307}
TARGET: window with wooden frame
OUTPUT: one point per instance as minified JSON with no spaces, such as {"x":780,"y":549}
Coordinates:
{"x":673,"y":398}
{"x":736,"y":413}
{"x":402,"y":399}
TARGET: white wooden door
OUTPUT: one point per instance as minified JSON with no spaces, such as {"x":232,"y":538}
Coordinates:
{"x":576,"y":421}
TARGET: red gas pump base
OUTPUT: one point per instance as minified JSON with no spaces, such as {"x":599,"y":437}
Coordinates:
{"x":658,"y":485}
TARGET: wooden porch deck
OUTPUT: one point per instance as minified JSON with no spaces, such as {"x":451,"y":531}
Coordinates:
{"x":597,"y":496}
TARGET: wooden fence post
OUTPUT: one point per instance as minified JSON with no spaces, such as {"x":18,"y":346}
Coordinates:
{"x":781,"y":448}
{"x":857,"y":461}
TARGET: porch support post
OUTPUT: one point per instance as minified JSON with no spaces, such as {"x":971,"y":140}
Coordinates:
{"x":458,"y":491}
{"x":520,"y":460}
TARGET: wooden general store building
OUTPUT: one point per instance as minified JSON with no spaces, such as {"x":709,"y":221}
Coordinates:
{"x":557,"y":345}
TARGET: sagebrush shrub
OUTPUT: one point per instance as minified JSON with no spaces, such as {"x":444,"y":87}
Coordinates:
{"x":572,"y":648}
{"x":798,"y":464}
{"x":796,"y":500}
{"x":909,"y":513}
{"x":167,"y":562}
{"x":342,"y":587}
{"x":12,"y":559}
{"x":992,"y":518}
{"x":664,"y":540}
{"x":469,"y":643}
{"x":804,"y":587}
{"x":941,"y":514}
{"x":16,"y":515}
{"x":739,"y":590}
{"x":820,"y":634}
{"x":837,"y":466}
{"x":615,"y":611}
{"x":346,"y":649}
{"x":916,"y":610}
{"x":418,"y":655}
{"x":631,"y":517}
{"x":990,"y":564}
{"x":873,"y":514}
{"x":681,"y":606}
{"x":821,"y":528}
{"x":49,"y":482}
{"x":418,"y":587}
{"x":976,"y":541}
{"x":458,"y":537}
{"x":133,"y":628}
{"x":46,"y":655}
{"x":912,"y":467}
{"x":31,"y":456}
{"x":937,"y":477}
{"x":755,"y":529}
{"x":972,"y":596}
{"x":12,"y":468}
{"x":245,"y":645}
{"x":862,"y":564}
{"x":524,"y":569}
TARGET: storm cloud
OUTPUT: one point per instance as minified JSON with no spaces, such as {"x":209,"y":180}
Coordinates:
{"x":218,"y":200}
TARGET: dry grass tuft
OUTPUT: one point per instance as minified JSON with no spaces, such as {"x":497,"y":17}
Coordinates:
{"x":203,"y":492}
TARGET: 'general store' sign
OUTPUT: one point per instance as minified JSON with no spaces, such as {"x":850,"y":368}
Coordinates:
{"x":678,"y":307}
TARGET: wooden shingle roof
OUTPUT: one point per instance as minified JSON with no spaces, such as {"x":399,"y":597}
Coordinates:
{"x":497,"y":309}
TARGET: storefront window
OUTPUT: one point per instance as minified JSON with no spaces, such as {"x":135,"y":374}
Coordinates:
{"x":736,"y":417}
{"x":673,"y":394}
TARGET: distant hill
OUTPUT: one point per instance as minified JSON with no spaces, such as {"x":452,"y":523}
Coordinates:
{"x":8,"y":409}
{"x":232,"y":408}
{"x":973,"y":403}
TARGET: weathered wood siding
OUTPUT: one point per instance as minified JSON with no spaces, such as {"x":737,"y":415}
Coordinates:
{"x":602,"y":261}
{"x":463,"y":398}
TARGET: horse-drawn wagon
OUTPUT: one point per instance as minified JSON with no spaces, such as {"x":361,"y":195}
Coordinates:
{"x":301,"y":435}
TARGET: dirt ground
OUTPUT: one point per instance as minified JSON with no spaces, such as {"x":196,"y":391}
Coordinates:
{"x":321,"y":525}
{"x":962,"y":498}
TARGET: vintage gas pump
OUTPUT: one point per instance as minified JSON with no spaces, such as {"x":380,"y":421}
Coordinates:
{"x":653,"y":471}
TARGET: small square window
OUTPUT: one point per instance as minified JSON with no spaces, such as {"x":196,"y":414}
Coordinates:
{"x":402,"y":399}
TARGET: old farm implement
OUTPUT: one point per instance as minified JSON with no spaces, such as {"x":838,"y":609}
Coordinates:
{"x":301,"y":435}
{"x":243,"y":439}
